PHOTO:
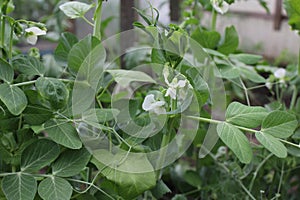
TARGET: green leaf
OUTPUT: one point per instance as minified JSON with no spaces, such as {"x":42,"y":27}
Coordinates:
{"x":53,"y":90}
{"x":231,"y":41}
{"x":89,"y":75}
{"x":248,"y":59}
{"x":207,"y":39}
{"x":125,"y":77}
{"x":38,"y":155}
{"x":63,"y":132}
{"x":29,"y":65}
{"x":228,"y":71}
{"x":157,"y":56}
{"x":236,"y":141}
{"x":100,"y":115}
{"x":251,"y":74}
{"x":80,"y":51}
{"x":160,"y":190}
{"x":128,"y":185}
{"x":192,"y":178}
{"x":6,"y":71}
{"x":71,"y":162}
{"x":272,"y":144}
{"x":36,"y":115}
{"x":279,"y":124}
{"x":246,"y":116}
{"x":55,"y":188}
{"x":19,"y":186}
{"x":75,"y":9}
{"x":13,"y":98}
{"x":292,"y":8}
{"x":65,"y":44}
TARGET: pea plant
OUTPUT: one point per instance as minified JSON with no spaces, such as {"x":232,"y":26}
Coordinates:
{"x":181,"y":121}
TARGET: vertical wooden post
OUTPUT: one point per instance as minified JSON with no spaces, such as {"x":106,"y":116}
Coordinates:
{"x":175,"y":10}
{"x":278,"y":15}
{"x":127,"y":17}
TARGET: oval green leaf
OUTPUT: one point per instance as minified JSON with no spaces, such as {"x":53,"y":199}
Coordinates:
{"x":6,"y":71}
{"x":127,"y":185}
{"x":125,"y":77}
{"x":75,"y":9}
{"x":29,"y":65}
{"x":38,"y":155}
{"x":71,"y":162}
{"x":53,"y":90}
{"x":55,"y":188}
{"x":236,"y":141}
{"x":36,"y":115}
{"x":279,"y":124}
{"x":272,"y":144}
{"x":19,"y":187}
{"x":246,"y":116}
{"x":13,"y":98}
{"x":80,"y":52}
{"x":62,"y":132}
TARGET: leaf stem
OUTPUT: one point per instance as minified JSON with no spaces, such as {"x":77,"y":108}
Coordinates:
{"x":11,"y":43}
{"x":280,"y":181}
{"x":257,"y":170}
{"x":214,"y":20}
{"x":97,"y":20}
{"x":213,"y":121}
{"x":228,"y":171}
{"x":294,"y":97}
{"x":87,"y":21}
{"x":290,"y":143}
{"x":92,"y":185}
{"x":246,"y":92}
{"x":24,"y":83}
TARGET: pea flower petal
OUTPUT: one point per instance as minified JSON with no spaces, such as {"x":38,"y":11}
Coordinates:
{"x":220,"y":6}
{"x":280,"y":73}
{"x":150,"y":104}
{"x":33,"y":33}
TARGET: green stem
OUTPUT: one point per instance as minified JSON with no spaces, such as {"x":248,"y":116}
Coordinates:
{"x":228,"y":171}
{"x":299,"y":63}
{"x":24,"y":83}
{"x":33,"y":81}
{"x":92,"y":185}
{"x":10,"y":43}
{"x":214,"y":20}
{"x":13,"y":168}
{"x":97,"y":20}
{"x":87,"y":21}
{"x":294,"y":97}
{"x":246,"y":92}
{"x":257,"y":170}
{"x":213,"y":121}
{"x":290,"y":143}
{"x":3,"y":36}
{"x":280,"y":181}
{"x":163,"y":149}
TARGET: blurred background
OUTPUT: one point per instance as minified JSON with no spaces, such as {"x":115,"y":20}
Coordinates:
{"x":262,"y":30}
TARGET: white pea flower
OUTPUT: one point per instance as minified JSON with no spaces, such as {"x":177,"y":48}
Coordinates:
{"x":150,"y":104}
{"x":220,"y":6}
{"x":280,"y":73}
{"x":33,"y":33}
{"x":175,"y":86}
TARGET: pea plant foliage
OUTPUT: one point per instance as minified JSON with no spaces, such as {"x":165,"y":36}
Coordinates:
{"x":177,"y":121}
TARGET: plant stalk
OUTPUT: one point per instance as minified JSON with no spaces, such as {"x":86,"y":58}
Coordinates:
{"x":97,"y":20}
{"x":214,"y":20}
